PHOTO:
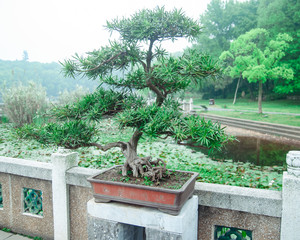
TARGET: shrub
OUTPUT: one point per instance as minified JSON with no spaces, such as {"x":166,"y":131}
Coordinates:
{"x":69,"y":97}
{"x":22,"y":103}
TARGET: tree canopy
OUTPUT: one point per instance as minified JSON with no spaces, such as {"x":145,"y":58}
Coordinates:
{"x":224,"y":21}
{"x":257,"y":57}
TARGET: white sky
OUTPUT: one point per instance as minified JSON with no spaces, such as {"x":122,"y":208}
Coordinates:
{"x":53,"y":30}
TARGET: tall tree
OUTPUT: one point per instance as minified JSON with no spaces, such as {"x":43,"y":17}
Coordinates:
{"x":283,"y":16}
{"x":224,"y":21}
{"x":150,"y":68}
{"x":257,"y":58}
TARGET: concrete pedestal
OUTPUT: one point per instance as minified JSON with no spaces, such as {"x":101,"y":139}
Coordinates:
{"x":119,"y":221}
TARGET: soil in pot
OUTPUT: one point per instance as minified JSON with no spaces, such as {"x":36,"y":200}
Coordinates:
{"x":173,"y":180}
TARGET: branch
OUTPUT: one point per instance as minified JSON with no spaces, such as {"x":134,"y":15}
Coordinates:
{"x":143,"y":64}
{"x":160,"y":96}
{"x":107,"y":61}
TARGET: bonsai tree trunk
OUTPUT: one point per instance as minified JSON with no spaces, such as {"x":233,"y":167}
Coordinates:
{"x":140,"y":166}
{"x":260,"y":92}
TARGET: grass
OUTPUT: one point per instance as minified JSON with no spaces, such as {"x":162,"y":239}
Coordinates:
{"x":177,"y":158}
{"x":284,"y":106}
{"x":270,"y":118}
{"x":238,"y":110}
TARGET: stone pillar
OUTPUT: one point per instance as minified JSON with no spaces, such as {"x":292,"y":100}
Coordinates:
{"x":191,"y":105}
{"x":118,"y":221}
{"x":61,"y":162}
{"x":290,"y":221}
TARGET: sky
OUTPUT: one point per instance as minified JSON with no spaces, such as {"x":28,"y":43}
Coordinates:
{"x":53,"y":30}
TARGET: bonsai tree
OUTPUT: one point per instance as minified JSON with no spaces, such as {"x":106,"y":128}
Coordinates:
{"x":146,"y":65}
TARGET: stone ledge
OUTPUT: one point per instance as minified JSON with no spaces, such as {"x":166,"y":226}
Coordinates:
{"x":256,"y":201}
{"x":77,"y":176}
{"x":26,"y":168}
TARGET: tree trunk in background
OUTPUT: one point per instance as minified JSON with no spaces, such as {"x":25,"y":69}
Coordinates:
{"x":260,"y":91}
{"x":237,"y":87}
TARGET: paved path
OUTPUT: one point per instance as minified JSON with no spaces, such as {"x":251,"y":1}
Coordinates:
{"x":11,"y":236}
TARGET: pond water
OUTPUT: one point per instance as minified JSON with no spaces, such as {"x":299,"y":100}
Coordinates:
{"x":254,"y":150}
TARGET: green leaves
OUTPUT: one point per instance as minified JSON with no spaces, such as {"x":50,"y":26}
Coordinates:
{"x":93,"y":106}
{"x":69,"y":134}
{"x":154,"y":25}
{"x":157,"y":121}
{"x":256,"y":56}
{"x":197,"y":131}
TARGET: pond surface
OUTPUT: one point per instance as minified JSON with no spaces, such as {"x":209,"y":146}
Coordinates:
{"x":254,"y":150}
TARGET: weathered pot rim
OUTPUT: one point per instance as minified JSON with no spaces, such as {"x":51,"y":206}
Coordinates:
{"x":182,"y":189}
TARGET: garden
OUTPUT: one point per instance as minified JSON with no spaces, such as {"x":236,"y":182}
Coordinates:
{"x":177,"y":157}
{"x":98,"y":125}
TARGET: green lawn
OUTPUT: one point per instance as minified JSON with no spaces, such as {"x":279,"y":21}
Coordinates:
{"x":237,"y":110}
{"x":285,"y":106}
{"x":270,"y":118}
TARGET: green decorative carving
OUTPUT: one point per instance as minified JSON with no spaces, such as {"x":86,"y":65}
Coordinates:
{"x":231,"y":233}
{"x":33,"y":201}
{"x":1,"y":198}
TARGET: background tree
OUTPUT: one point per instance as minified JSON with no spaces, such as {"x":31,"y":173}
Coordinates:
{"x":224,"y":21}
{"x":234,"y":66}
{"x":257,"y":57}
{"x":146,"y":68}
{"x":283,"y":16}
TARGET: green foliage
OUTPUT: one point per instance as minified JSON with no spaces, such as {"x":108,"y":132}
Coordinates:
{"x":224,"y":21}
{"x":22,"y":103}
{"x":168,"y":121}
{"x":70,"y":134}
{"x":93,"y":106}
{"x":283,"y":16}
{"x":155,"y":25}
{"x":254,"y":56}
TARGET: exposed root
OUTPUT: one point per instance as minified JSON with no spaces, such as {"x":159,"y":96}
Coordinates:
{"x":144,"y":167}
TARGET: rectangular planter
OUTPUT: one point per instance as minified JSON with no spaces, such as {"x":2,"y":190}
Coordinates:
{"x":166,"y":200}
